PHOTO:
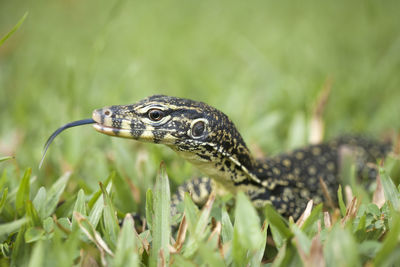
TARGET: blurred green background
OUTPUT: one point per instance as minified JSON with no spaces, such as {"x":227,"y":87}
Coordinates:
{"x":263,"y":63}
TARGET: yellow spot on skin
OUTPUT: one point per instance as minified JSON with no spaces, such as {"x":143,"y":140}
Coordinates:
{"x":316,"y":151}
{"x":304,"y":193}
{"x":268,"y":184}
{"x":286,"y":163}
{"x":312,"y":170}
{"x":299,"y":155}
{"x":276,"y":171}
{"x":330,"y":166}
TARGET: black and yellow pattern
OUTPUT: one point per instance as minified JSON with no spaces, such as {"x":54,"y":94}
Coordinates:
{"x":207,"y":138}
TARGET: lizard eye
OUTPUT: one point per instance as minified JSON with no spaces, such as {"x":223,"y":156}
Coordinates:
{"x":155,"y":114}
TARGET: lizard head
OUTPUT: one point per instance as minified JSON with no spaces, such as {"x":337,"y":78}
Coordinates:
{"x":198,"y":132}
{"x":161,"y":120}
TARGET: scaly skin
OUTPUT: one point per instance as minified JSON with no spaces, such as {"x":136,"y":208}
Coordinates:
{"x":207,"y":138}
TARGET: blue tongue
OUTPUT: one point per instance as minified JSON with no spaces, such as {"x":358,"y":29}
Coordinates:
{"x":59,"y":130}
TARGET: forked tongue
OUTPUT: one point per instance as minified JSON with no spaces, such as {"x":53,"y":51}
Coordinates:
{"x":59,"y":130}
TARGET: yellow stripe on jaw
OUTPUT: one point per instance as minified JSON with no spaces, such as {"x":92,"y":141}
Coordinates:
{"x":145,"y":136}
{"x":112,"y":131}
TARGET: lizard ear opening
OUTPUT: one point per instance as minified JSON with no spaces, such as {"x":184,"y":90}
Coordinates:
{"x":198,"y":128}
{"x":107,"y":113}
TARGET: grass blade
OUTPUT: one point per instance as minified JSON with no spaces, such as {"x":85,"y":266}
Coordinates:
{"x":40,"y":202}
{"x":8,"y":157}
{"x":3,"y":199}
{"x":301,"y":239}
{"x":79,"y":207}
{"x":247,"y":223}
{"x":210,"y":256}
{"x":149,"y":208}
{"x":110,"y":218}
{"x":227,"y":228}
{"x":126,"y":253}
{"x":342,"y":206}
{"x":23,"y":192}
{"x":54,"y":194}
{"x":32,"y":214}
{"x":276,"y":221}
{"x":7,"y":228}
{"x":258,"y":255}
{"x":96,"y":212}
{"x":191,"y":212}
{"x":307,"y":226}
{"x":246,"y":231}
{"x":20,"y":252}
{"x":123,"y":194}
{"x":341,"y":248}
{"x":192,"y":215}
{"x":389,"y":243}
{"x":98,"y":207}
{"x":19,"y":23}
{"x":93,"y":236}
{"x":203,"y":220}
{"x":33,"y":234}
{"x":37,"y":256}
{"x":161,"y":221}
{"x":389,"y":189}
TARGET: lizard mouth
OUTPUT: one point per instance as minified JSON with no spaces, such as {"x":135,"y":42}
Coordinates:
{"x":106,"y":125}
{"x":131,"y":128}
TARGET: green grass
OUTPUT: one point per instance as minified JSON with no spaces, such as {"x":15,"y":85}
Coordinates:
{"x":263,"y":63}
